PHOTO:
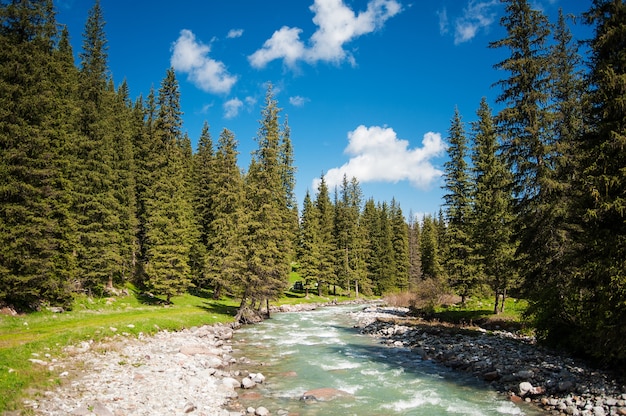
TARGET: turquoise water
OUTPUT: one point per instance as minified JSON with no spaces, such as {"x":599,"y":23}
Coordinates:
{"x":302,"y":351}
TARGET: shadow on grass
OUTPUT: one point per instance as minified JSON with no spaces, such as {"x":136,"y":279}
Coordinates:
{"x":292,"y":295}
{"x":219,"y":308}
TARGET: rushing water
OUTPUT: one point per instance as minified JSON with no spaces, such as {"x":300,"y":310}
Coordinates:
{"x":318,"y":349}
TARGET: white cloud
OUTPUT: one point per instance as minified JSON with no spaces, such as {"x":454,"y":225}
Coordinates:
{"x":232,"y":107}
{"x":337,"y":25}
{"x":298,"y":101}
{"x":476,"y":16}
{"x":443,"y":21}
{"x":192,"y":57}
{"x":378,"y":155}
{"x":234,"y":33}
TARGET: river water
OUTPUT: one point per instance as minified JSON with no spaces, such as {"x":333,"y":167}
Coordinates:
{"x":301,"y":351}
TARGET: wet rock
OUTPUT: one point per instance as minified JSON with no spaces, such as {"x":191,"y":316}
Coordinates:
{"x":324,"y":394}
{"x":509,"y":362}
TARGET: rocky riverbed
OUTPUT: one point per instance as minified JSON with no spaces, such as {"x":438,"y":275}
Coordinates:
{"x":511,"y":364}
{"x":192,"y":371}
{"x":170,"y":373}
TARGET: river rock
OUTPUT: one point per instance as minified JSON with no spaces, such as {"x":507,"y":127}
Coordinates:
{"x":261,"y":411}
{"x":183,"y":372}
{"x":324,"y":394}
{"x":511,"y":363}
{"x":247,"y":383}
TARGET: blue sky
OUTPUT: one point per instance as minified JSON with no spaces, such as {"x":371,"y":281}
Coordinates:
{"x":369,"y":86}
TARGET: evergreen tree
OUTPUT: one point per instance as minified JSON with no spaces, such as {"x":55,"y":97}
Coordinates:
{"x":326,"y":213}
{"x":225,"y":263}
{"x":492,"y":217}
{"x":287,"y":173}
{"x":431,"y":261}
{"x":103,"y":252}
{"x":205,"y":189}
{"x":349,"y":238}
{"x":400,"y":243}
{"x":170,"y":226}
{"x":458,"y":262}
{"x":269,"y":230}
{"x":525,"y":119}
{"x":309,"y":252}
{"x":597,"y":328}
{"x":415,"y":260}
{"x":36,"y":127}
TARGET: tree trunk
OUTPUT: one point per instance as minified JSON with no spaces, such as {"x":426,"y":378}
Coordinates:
{"x":503,"y":299}
{"x":217,"y":291}
{"x":495,"y":306}
{"x":356,"y":289}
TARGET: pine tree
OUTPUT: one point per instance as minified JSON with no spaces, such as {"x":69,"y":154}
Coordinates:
{"x":525,"y":119}
{"x":431,"y":260}
{"x":326,"y":220}
{"x":37,"y":112}
{"x":170,"y":226}
{"x":349,"y":238}
{"x":309,"y":252}
{"x":287,"y":173}
{"x":202,"y":184}
{"x":400,"y":243}
{"x":225,"y":263}
{"x":459,"y":262}
{"x":492,"y":217}
{"x":97,"y":203}
{"x":269,"y":232}
{"x":415,"y":260}
{"x":597,"y":328}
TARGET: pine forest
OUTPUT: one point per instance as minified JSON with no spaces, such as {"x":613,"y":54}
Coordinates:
{"x":99,"y":189}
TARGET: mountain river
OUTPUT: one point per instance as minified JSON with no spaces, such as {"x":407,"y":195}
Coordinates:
{"x":301,"y":351}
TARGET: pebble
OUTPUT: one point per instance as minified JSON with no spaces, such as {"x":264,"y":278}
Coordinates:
{"x":510,"y":363}
{"x":174,"y":373}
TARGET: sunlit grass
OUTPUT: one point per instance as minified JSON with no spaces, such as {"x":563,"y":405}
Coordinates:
{"x":42,"y":335}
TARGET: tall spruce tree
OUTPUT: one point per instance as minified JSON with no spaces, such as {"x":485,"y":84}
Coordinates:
{"x":309,"y":252}
{"x":204,"y":189}
{"x":492,"y":217}
{"x":326,"y":214}
{"x":97,"y":203}
{"x":170,"y":225}
{"x":36,"y":127}
{"x":225,"y":262}
{"x":415,"y":260}
{"x":269,"y":232}
{"x":430,"y":256}
{"x":598,"y":327}
{"x":400,"y":243}
{"x":459,"y":263}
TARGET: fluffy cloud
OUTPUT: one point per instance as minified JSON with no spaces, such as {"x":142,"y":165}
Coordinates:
{"x":337,"y":25}
{"x":234,"y":33}
{"x":378,"y":155}
{"x":477,"y":15}
{"x":192,"y":57}
{"x":232,"y":107}
{"x":298,"y":101}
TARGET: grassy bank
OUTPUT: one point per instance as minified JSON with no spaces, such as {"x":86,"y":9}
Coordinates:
{"x":42,"y":335}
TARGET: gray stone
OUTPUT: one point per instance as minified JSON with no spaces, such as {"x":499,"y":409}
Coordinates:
{"x":261,"y":411}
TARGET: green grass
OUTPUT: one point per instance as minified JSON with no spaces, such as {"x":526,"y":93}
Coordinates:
{"x":42,"y":335}
{"x":481,"y":311}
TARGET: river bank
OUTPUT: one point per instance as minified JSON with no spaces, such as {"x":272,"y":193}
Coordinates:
{"x":511,"y":364}
{"x":193,"y":371}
